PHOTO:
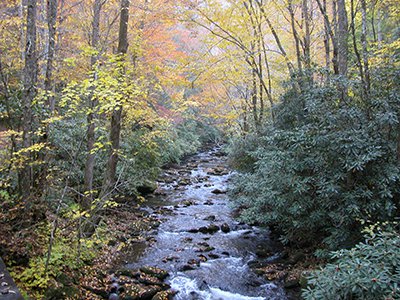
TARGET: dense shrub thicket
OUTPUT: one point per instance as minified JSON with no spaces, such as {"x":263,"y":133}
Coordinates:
{"x":329,"y":164}
{"x":370,"y":270}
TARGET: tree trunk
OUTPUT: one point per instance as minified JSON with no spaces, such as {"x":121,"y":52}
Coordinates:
{"x":29,"y":93}
{"x":92,"y":103}
{"x":307,"y":36}
{"x":364,"y":43}
{"x":115,"y":131}
{"x":326,"y":39}
{"x":342,"y":37}
{"x":51,"y":24}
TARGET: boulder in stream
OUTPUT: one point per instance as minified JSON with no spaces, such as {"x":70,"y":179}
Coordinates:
{"x":218,"y":191}
{"x":155,"y":272}
{"x":225,"y":228}
{"x":211,"y":229}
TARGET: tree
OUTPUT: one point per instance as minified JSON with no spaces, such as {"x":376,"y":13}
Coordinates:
{"x":29,"y":93}
{"x":342,"y":37}
{"x":92,"y":104}
{"x":116,"y":118}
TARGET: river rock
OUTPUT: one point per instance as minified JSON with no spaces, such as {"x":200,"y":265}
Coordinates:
{"x":187,"y":267}
{"x":184,"y":181}
{"x":225,"y":228}
{"x":211,"y":229}
{"x":113,"y":296}
{"x":147,"y":187}
{"x":218,"y":191}
{"x":263,"y":252}
{"x":213,"y":256}
{"x":160,"y":192}
{"x":170,"y":258}
{"x":210,"y":218}
{"x":164,"y":295}
{"x":202,"y":258}
{"x":187,"y":203}
{"x":155,"y":272}
{"x":208,"y":202}
{"x":217,"y":171}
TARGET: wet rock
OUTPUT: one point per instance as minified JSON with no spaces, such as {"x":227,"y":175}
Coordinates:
{"x":225,"y":228}
{"x":147,"y":187}
{"x":194,"y":262}
{"x":193,"y":230}
{"x":184,"y":181}
{"x":149,"y":292}
{"x":164,"y":295}
{"x":208,"y":202}
{"x":128,"y":273}
{"x":167,"y":178}
{"x":203,"y":244}
{"x":210,"y":229}
{"x":256,"y":264}
{"x":113,"y":296}
{"x":155,"y":272}
{"x":160,"y":192}
{"x":150,"y":280}
{"x":208,"y":185}
{"x":225,"y":253}
{"x":187,"y":267}
{"x":205,"y":249}
{"x":218,"y":191}
{"x":170,"y":258}
{"x":263,"y":252}
{"x":114,"y":288}
{"x":202,"y":258}
{"x":187,"y":203}
{"x":291,"y":283}
{"x":210,"y":218}
{"x":213,"y":255}
{"x":187,"y":239}
{"x":218,"y":171}
{"x":151,"y":239}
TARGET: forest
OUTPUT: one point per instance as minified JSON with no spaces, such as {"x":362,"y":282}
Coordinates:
{"x":200,"y":149}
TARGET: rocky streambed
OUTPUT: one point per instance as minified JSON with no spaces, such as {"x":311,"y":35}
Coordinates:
{"x":199,"y":251}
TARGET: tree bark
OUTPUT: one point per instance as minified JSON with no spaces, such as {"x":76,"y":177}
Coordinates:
{"x":92,"y":104}
{"x":51,"y":24}
{"x":342,"y":37}
{"x":326,"y":38}
{"x":364,"y":43}
{"x":29,"y":93}
{"x":115,"y":130}
{"x":295,"y":36}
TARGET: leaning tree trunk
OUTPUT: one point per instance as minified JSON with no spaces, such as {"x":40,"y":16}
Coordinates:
{"x":29,"y":93}
{"x":115,"y":130}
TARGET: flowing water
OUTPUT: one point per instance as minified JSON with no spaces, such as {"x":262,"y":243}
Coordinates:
{"x":210,"y":266}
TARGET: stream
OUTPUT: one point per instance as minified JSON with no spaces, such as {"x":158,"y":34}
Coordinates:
{"x":204,"y":249}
